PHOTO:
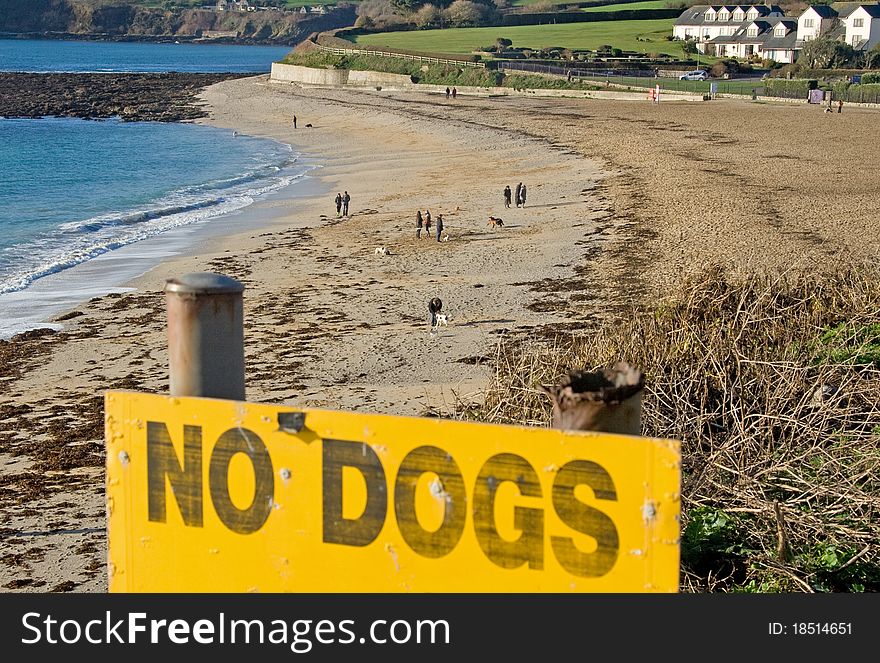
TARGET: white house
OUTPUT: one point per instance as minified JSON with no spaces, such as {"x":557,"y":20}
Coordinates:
{"x":759,"y":30}
{"x":815,"y":21}
{"x":773,"y":38}
{"x":862,"y":25}
{"x":704,"y":22}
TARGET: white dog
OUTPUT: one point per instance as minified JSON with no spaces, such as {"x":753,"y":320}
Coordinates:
{"x":381,"y":251}
{"x":442,"y":320}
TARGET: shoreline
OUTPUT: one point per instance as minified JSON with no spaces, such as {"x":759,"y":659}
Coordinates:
{"x":51,"y":299}
{"x":327,"y":322}
{"x":612,"y":220}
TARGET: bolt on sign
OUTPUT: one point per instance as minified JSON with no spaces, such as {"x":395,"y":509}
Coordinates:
{"x":209,"y":495}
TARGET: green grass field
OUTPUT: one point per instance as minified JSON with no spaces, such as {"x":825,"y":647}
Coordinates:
{"x":647,"y":4}
{"x":619,"y":34}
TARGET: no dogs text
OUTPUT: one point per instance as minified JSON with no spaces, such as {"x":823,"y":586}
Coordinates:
{"x":229,"y":496}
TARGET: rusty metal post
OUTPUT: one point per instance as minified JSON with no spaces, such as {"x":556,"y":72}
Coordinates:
{"x":205,"y":336}
{"x":609,"y":401}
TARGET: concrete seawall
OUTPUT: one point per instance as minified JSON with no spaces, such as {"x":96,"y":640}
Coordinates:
{"x":289,"y":73}
{"x":311,"y":77}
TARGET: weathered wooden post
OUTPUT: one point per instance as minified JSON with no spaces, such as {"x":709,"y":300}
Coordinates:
{"x":205,"y":336}
{"x":609,"y":400}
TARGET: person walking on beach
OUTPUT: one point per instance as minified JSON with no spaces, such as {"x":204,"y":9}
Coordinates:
{"x":439,"y":226}
{"x":507,"y":196}
{"x":338,"y":204}
{"x":447,"y":93}
{"x":434,"y":307}
{"x":518,"y":193}
{"x":419,"y":224}
{"x":345,"y":200}
{"x":522,"y":196}
{"x":840,"y":105}
{"x":427,"y":223}
{"x":294,"y":121}
{"x":454,"y":92}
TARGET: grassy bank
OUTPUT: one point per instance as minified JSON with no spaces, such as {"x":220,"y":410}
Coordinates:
{"x":432,"y":74}
{"x":628,"y":6}
{"x":773,"y":386}
{"x":640,"y":36}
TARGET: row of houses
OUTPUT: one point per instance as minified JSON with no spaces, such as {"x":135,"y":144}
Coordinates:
{"x":245,"y":6}
{"x":765,"y":31}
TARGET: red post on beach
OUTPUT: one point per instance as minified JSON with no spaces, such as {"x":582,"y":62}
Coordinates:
{"x":205,"y":336}
{"x":609,"y":401}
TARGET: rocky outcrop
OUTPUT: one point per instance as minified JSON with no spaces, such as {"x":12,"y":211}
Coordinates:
{"x":89,"y":19}
{"x":168,"y":97}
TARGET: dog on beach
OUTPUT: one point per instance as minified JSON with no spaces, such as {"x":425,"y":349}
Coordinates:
{"x":495,"y":222}
{"x":442,"y":319}
{"x":382,"y":251}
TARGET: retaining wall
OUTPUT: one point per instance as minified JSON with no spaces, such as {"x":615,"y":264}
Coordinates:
{"x":307,"y":76}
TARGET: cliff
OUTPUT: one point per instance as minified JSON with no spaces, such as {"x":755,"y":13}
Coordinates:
{"x":109,"y":20}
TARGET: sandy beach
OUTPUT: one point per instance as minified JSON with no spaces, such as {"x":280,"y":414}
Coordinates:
{"x":624,"y":198}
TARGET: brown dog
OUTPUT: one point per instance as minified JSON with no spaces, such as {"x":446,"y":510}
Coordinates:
{"x":495,"y":222}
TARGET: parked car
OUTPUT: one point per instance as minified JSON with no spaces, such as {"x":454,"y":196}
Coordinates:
{"x":697,"y":75}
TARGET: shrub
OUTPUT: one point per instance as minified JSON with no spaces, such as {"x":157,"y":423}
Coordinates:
{"x":791,"y":89}
{"x":771,"y":384}
{"x":868,"y":79}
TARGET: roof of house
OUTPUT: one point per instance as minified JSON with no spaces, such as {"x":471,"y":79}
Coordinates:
{"x":696,"y":15}
{"x":844,"y":9}
{"x":873,"y":10}
{"x":765,"y":37}
{"x":825,"y":11}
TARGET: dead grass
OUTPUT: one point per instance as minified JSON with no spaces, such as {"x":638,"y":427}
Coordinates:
{"x":772,"y":383}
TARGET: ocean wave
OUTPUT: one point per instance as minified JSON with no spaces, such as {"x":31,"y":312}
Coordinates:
{"x":77,"y":242}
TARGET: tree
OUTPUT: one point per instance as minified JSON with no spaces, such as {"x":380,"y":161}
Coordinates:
{"x":502,"y":44}
{"x":824,"y":53}
{"x":405,"y":6}
{"x":872,"y":57}
{"x":689,"y":47}
{"x":466,"y":13}
{"x":427,"y":16}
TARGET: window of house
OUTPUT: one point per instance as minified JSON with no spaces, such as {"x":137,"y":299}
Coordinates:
{"x":753,"y":32}
{"x":856,"y":39}
{"x":780,"y":32}
{"x":738,"y":16}
{"x":808,"y":22}
{"x":723,"y":16}
{"x":706,"y":33}
{"x":710,"y":17}
{"x":858,"y":22}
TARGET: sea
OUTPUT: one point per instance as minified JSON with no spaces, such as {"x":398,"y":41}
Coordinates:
{"x":86,"y":205}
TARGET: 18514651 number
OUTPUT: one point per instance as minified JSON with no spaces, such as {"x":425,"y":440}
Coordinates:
{"x":810,"y":628}
{"x":821,"y":628}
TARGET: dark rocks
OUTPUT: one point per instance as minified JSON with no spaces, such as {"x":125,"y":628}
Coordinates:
{"x":161,"y":97}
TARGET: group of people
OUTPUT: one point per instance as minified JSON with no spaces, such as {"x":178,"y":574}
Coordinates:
{"x":342,"y":200}
{"x":425,"y":222}
{"x":452,"y":92}
{"x":520,"y":195}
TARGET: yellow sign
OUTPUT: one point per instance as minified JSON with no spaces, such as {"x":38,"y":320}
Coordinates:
{"x":212,"y":495}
